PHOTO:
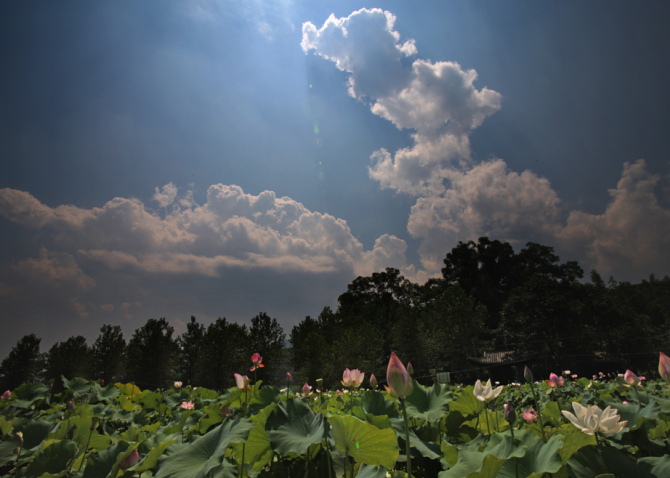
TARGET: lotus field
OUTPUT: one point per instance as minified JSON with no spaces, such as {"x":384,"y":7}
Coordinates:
{"x":566,"y":426}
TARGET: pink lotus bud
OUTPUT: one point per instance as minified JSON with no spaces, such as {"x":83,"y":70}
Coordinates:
{"x":398,"y":379}
{"x":555,"y":380}
{"x":530,"y":416}
{"x":130,"y":460}
{"x":306,"y":389}
{"x":631,"y":379}
{"x":187,"y":405}
{"x":289,"y":377}
{"x":256,"y":359}
{"x":71,"y":406}
{"x":242,"y":382}
{"x":664,"y":367}
{"x":7,"y":395}
{"x":373,"y":382}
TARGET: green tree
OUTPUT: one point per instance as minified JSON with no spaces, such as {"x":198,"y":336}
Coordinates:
{"x":190,"y":343}
{"x":151,"y":355}
{"x":225,"y":351}
{"x":267,"y":338}
{"x":108,"y":353}
{"x":69,"y":359}
{"x":23,"y":364}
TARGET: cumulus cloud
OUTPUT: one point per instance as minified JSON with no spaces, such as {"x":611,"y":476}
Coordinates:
{"x":232,"y":229}
{"x":55,"y":268}
{"x":632,"y":234}
{"x":459,"y":198}
{"x":438,"y":100}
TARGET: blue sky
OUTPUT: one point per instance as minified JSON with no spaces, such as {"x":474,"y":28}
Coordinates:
{"x":223,"y":158}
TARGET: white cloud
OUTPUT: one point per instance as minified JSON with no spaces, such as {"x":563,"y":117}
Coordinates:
{"x":631,"y":237}
{"x":56,"y":269}
{"x":166,"y":195}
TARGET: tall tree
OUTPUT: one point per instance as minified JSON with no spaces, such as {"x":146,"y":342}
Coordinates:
{"x":225,"y":351}
{"x":267,"y":338}
{"x":190,"y":343}
{"x":108,"y":353}
{"x":23,"y":364}
{"x":69,"y":359}
{"x":151,"y":355}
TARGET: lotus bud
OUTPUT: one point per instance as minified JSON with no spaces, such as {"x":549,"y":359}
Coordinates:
{"x":242,"y":382}
{"x":7,"y":395}
{"x":555,"y":380}
{"x":130,"y":460}
{"x":71,"y":405}
{"x":306,"y":388}
{"x":289,"y":377}
{"x":510,"y":413}
{"x":20,"y":436}
{"x":664,"y":367}
{"x":373,"y":382}
{"x":398,"y":379}
{"x":528,"y":375}
{"x":410,"y":369}
{"x":631,"y":379}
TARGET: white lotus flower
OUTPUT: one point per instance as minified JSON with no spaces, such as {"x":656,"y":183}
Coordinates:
{"x":592,"y":419}
{"x":486,"y":393}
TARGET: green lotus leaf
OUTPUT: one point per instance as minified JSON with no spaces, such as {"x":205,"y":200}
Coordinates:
{"x":150,"y":460}
{"x":368,"y":471}
{"x":34,"y":431}
{"x":257,"y":449}
{"x":29,"y":393}
{"x":205,"y":454}
{"x":365,"y":443}
{"x":294,"y":427}
{"x":467,"y":403}
{"x":485,"y":463}
{"x":54,"y":458}
{"x":77,"y":386}
{"x":8,"y":447}
{"x":429,"y":404}
{"x":100,"y":463}
{"x":592,"y":461}
{"x":105,"y":394}
{"x":128,"y":389}
{"x":376,"y":403}
{"x":573,"y":440}
{"x":540,"y":457}
{"x":658,"y":466}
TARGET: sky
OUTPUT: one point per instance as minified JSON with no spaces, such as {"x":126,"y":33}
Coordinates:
{"x":225,"y":158}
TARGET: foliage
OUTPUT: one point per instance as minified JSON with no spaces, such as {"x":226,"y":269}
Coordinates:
{"x":24,"y":363}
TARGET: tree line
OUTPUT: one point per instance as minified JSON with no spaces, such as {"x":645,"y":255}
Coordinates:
{"x":528,"y":307}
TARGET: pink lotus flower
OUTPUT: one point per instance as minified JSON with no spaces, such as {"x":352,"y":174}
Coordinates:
{"x":555,"y":380}
{"x":631,"y":379}
{"x":242,"y":382}
{"x":256,"y":359}
{"x":398,"y":379}
{"x":187,"y":405}
{"x":530,"y":416}
{"x":306,"y":389}
{"x":664,"y":367}
{"x":130,"y":460}
{"x":352,"y":378}
{"x":7,"y":395}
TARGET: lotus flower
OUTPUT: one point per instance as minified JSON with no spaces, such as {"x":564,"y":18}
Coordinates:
{"x":177,"y":385}
{"x":130,"y":460}
{"x":487,"y":392}
{"x":631,"y":379}
{"x":187,"y":405}
{"x":242,"y":382}
{"x":555,"y":380}
{"x":256,"y":359}
{"x":592,"y":420}
{"x":398,"y":379}
{"x":664,"y":367}
{"x":352,"y":378}
{"x":306,"y":388}
{"x":530,"y":416}
{"x":373,"y":382}
{"x":7,"y":395}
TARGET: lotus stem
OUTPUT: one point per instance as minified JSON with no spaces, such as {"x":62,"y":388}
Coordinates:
{"x":407,"y":445}
{"x":539,"y":412}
